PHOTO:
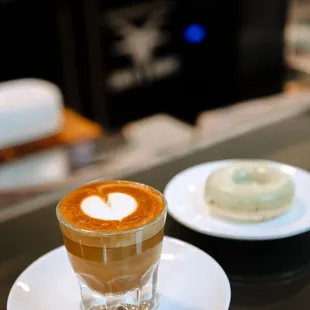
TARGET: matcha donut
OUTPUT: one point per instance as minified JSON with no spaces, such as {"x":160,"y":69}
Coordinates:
{"x":249,"y":190}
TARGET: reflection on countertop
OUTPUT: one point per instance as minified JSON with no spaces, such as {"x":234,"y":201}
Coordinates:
{"x":140,"y":145}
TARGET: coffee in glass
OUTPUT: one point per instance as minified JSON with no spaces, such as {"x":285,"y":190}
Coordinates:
{"x":113,"y":232}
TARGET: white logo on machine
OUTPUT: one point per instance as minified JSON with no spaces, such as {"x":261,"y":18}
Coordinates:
{"x":139,"y":43}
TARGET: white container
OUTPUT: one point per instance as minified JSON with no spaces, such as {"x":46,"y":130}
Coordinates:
{"x":297,"y":36}
{"x":30,"y":109}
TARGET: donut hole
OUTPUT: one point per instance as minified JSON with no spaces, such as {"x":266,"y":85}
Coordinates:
{"x":248,"y":176}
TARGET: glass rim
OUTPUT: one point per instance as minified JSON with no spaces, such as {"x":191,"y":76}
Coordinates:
{"x":117,"y":232}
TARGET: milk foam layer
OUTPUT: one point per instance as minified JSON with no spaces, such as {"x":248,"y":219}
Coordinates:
{"x":116,"y":207}
{"x":111,"y":207}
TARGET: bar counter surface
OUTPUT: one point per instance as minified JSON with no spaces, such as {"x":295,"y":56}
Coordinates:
{"x":264,"y":275}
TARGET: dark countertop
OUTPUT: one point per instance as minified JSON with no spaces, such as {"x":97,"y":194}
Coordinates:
{"x":264,"y":275}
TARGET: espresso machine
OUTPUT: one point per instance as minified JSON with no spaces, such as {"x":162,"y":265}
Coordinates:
{"x":124,"y":60}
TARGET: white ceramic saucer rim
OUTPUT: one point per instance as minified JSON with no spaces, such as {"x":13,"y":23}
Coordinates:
{"x":184,"y":243}
{"x":222,"y":234}
{"x":167,"y":238}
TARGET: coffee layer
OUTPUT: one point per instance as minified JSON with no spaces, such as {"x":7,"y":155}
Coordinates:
{"x":116,"y":270}
{"x":149,"y":202}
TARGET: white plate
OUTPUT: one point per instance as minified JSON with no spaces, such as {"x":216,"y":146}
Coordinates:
{"x":186,"y":204}
{"x":189,"y":279}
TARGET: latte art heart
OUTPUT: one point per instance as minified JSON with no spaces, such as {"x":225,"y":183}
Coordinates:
{"x":117,"y":206}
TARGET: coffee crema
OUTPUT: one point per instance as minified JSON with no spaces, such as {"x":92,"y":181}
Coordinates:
{"x":82,"y":209}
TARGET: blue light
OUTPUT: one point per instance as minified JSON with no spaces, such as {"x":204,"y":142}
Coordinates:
{"x":194,"y":33}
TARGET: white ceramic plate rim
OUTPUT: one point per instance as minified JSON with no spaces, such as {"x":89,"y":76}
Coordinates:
{"x":265,"y":235}
{"x":212,"y":261}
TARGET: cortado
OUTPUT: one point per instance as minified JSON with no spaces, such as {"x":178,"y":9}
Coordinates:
{"x":113,"y":232}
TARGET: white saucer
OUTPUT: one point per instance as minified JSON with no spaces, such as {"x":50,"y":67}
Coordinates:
{"x":189,"y":279}
{"x":186,"y":204}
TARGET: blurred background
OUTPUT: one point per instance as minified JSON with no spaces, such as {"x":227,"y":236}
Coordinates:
{"x":93,"y":88}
